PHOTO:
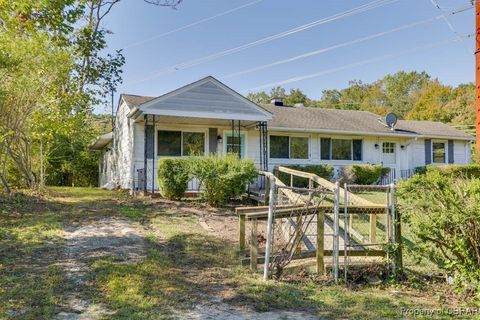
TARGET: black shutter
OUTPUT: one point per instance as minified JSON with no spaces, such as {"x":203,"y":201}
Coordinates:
{"x":428,"y":151}
{"x":212,"y":140}
{"x":149,"y":139}
{"x":450,"y":151}
{"x":357,"y":150}
{"x":325,"y":148}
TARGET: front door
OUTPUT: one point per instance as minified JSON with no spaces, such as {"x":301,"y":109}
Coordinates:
{"x":389,"y":154}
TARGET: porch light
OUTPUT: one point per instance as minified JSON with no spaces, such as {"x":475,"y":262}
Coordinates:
{"x":219,"y":139}
{"x":377,"y":146}
{"x":402,"y":147}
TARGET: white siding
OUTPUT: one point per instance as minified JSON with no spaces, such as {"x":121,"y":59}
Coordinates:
{"x":412,"y":154}
{"x":461,"y":154}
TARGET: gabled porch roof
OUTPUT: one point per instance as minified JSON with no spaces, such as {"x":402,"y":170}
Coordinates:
{"x":207,"y":98}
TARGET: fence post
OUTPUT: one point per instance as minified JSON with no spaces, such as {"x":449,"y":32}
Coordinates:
{"x":373,"y":228}
{"x":254,"y":246}
{"x":320,"y":242}
{"x":396,"y":233}
{"x":336,"y":231}
{"x":242,"y":232}
{"x":271,"y":204}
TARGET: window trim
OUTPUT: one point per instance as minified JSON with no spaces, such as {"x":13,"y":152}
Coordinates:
{"x":243,"y":135}
{"x":289,"y":147}
{"x":394,"y":147}
{"x":331,"y":149}
{"x":445,"y":143}
{"x":189,"y":130}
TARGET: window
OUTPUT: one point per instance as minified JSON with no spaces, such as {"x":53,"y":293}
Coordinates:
{"x":438,"y":152}
{"x":388,"y":147}
{"x":193,"y":143}
{"x":232,"y":143}
{"x":279,"y":147}
{"x":341,"y":149}
{"x":325,"y":146}
{"x":178,"y":143}
{"x":170,"y":143}
{"x":298,"y":148}
{"x":285,"y":147}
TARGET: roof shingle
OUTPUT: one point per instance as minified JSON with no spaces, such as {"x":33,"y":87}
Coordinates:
{"x":337,"y":120}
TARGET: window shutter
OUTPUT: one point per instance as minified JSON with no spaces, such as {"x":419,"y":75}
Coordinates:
{"x":451,"y":151}
{"x":428,"y":151}
{"x":212,"y":140}
{"x":149,"y":139}
{"x":325,"y":148}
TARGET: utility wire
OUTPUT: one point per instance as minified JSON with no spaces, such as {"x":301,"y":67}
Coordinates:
{"x":448,"y":23}
{"x":352,"y":65}
{"x":191,"y":24}
{"x":354,"y":11}
{"x":338,"y":46}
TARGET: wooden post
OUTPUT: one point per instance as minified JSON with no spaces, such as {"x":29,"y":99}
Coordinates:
{"x":310,"y":183}
{"x":241,"y":220}
{"x":254,"y":246}
{"x":320,"y":242}
{"x":291,"y":180}
{"x":373,"y":228}
{"x":398,"y":241}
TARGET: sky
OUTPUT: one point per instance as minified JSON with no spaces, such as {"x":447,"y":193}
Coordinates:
{"x":349,"y":40}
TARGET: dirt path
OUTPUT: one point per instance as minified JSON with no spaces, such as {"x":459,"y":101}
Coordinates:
{"x":113,"y":238}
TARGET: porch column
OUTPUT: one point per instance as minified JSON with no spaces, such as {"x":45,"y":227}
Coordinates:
{"x":153,"y":156}
{"x":262,"y":127}
{"x":145,"y":153}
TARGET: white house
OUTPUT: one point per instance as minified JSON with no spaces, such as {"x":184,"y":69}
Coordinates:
{"x":206,"y":116}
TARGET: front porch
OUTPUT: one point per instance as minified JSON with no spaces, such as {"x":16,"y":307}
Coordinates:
{"x":202,"y":118}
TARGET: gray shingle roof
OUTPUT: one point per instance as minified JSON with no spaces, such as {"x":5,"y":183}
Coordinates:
{"x":317,"y":119}
{"x":134,"y":100}
{"x":336,"y":120}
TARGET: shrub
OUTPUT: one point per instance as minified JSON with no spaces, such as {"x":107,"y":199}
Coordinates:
{"x":443,"y":213}
{"x":322,"y":170}
{"x":363,"y":173}
{"x":173,"y":176}
{"x":456,"y":170}
{"x":222,"y":177}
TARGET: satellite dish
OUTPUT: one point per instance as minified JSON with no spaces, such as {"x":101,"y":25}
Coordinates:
{"x":391,"y":120}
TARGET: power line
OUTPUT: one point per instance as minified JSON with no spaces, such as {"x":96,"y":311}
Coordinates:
{"x":354,"y":11}
{"x":337,"y":46}
{"x":448,"y":22}
{"x":352,"y":65}
{"x":191,"y":24}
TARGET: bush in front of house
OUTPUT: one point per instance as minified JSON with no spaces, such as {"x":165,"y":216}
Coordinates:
{"x":457,"y":170}
{"x":363,"y":173}
{"x":222,"y":177}
{"x":173,"y":177}
{"x":443,"y":214}
{"x":325,"y":171}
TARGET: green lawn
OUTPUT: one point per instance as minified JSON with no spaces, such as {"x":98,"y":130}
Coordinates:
{"x":184,"y":266}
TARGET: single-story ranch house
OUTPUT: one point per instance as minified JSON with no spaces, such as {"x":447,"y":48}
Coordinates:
{"x":206,"y":117}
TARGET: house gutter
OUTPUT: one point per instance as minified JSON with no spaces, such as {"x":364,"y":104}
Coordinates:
{"x":366,"y":133}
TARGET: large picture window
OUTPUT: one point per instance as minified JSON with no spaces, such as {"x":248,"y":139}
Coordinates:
{"x":285,"y":147}
{"x":341,"y":149}
{"x":178,"y":143}
{"x":439,"y":152}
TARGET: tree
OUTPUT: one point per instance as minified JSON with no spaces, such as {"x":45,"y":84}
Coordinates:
{"x":277,"y":92}
{"x":430,"y":103}
{"x":295,"y":96}
{"x":258,"y":97}
{"x":54,"y":65}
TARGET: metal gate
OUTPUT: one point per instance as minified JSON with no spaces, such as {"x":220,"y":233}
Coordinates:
{"x":348,"y":230}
